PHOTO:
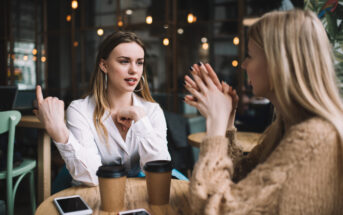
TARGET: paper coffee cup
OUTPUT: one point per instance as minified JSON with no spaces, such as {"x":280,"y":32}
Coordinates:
{"x":158,"y":177}
{"x":112,"y":181}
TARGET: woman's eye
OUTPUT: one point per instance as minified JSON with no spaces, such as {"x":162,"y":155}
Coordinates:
{"x":124,"y":61}
{"x":140,"y":62}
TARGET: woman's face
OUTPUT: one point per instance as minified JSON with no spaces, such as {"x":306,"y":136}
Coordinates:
{"x":256,"y":66}
{"x":124,"y":67}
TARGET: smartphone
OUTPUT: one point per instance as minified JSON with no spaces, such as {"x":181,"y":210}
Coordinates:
{"x":139,"y":211}
{"x":72,"y":205}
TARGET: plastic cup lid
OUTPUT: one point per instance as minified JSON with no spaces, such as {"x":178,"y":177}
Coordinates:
{"x":111,"y":171}
{"x":158,"y":166}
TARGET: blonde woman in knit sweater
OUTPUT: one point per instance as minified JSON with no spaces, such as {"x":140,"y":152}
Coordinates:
{"x":298,"y":166}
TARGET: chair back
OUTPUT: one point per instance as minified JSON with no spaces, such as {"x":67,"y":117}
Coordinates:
{"x":8,"y":122}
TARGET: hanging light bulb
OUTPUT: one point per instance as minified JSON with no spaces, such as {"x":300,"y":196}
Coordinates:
{"x":75,"y":44}
{"x":234,"y":63}
{"x":100,"y":31}
{"x":165,"y":41}
{"x":190,"y":18}
{"x":236,"y":41}
{"x":68,"y":18}
{"x":34,"y":51}
{"x":148,"y":20}
{"x":128,"y":12}
{"x":180,"y":31}
{"x":204,"y":40}
{"x":25,"y":57}
{"x":205,"y":46}
{"x":43,"y":59}
{"x":74,"y":4}
{"x":120,"y":23}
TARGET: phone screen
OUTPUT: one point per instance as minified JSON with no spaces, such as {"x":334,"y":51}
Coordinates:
{"x":71,"y":204}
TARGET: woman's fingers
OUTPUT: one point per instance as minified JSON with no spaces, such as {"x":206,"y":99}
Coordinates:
{"x":196,"y":94}
{"x":213,"y":75}
{"x":199,"y":82}
{"x":189,"y":81}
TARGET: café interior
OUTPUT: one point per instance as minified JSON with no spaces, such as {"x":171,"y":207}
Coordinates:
{"x":54,"y":44}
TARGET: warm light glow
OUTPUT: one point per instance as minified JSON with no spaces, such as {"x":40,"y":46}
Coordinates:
{"x":34,"y":58}
{"x":148,"y":20}
{"x":120,"y":23}
{"x":205,"y":46}
{"x":68,"y":18}
{"x":191,"y":18}
{"x":34,"y":51}
{"x":13,"y":56}
{"x":43,"y":59}
{"x":165,"y":41}
{"x":165,"y":26}
{"x":236,"y":41}
{"x":100,"y":31}
{"x":25,"y":57}
{"x":128,"y":12}
{"x":204,"y":40}
{"x":180,"y":31}
{"x":74,"y":4}
{"x":76,"y":44}
{"x":234,"y":63}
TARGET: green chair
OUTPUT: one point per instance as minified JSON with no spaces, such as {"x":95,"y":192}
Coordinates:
{"x":8,"y":122}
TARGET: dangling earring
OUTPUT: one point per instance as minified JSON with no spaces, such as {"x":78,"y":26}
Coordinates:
{"x":105,"y":80}
{"x":142,"y":79}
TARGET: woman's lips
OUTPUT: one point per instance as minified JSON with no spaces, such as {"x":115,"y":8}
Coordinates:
{"x":131,"y":81}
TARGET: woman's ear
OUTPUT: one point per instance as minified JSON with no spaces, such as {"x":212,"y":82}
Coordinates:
{"x":103,"y":65}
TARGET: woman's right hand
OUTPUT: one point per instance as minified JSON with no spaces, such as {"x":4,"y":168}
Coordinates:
{"x":50,"y":111}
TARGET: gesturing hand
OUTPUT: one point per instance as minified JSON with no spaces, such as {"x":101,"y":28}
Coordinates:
{"x":211,"y":102}
{"x":125,"y":116}
{"x":50,"y":111}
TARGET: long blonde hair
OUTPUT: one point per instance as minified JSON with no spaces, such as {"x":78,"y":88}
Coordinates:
{"x":301,"y":70}
{"x":98,"y":81}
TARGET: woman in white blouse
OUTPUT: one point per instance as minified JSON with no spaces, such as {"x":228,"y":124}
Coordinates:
{"x":117,"y":123}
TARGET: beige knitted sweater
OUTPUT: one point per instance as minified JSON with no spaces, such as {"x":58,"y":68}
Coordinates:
{"x":303,"y":175}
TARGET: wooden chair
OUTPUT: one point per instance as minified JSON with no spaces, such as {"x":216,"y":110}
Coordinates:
{"x":8,"y":122}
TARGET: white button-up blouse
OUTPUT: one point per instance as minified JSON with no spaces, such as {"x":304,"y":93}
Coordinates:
{"x":85,"y":151}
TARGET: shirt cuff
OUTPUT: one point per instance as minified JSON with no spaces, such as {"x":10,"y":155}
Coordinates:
{"x":68,"y":149}
{"x":142,"y":127}
{"x":216,"y":145}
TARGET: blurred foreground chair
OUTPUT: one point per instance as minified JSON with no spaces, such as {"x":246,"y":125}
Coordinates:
{"x":8,"y":122}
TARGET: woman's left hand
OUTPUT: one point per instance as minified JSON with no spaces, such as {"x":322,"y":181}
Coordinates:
{"x":126,"y":115}
{"x":211,"y":102}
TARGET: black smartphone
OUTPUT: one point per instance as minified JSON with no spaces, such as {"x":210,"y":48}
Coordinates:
{"x":139,"y":211}
{"x":72,"y":205}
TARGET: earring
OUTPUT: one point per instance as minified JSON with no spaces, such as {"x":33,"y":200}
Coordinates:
{"x":142,"y":79}
{"x":105,"y":80}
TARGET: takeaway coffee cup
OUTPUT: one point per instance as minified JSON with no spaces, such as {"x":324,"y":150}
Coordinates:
{"x":112,"y":180}
{"x":158,"y":177}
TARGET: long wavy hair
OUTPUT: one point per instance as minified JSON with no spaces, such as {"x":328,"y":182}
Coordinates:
{"x":301,"y":71}
{"x":98,"y":82}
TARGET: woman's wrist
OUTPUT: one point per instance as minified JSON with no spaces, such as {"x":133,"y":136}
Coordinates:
{"x":59,"y":133}
{"x":215,"y":127}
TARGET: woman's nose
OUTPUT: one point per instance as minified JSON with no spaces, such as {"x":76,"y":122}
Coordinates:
{"x":133,"y":68}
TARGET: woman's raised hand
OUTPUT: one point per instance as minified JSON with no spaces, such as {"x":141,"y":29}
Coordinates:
{"x":208,"y":97}
{"x":125,"y":116}
{"x":50,"y":111}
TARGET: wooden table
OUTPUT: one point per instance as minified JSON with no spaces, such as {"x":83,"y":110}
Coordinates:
{"x":247,"y":140}
{"x":44,"y":156}
{"x":135,"y":197}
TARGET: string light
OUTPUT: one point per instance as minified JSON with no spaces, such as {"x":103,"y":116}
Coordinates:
{"x":100,"y":31}
{"x":74,"y":4}
{"x":25,"y":57}
{"x":191,"y":18}
{"x":205,"y":46}
{"x":148,"y":20}
{"x":165,"y":41}
{"x":234,"y":63}
{"x":34,"y":51}
{"x":204,"y":40}
{"x":128,"y":12}
{"x":180,"y":31}
{"x":75,"y":44}
{"x":236,"y":41}
{"x":43,"y":59}
{"x":68,"y":18}
{"x":120,"y":23}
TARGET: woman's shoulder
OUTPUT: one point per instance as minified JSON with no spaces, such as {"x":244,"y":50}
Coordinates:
{"x":314,"y":125}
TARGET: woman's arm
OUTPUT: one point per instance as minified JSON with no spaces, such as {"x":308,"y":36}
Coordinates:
{"x":80,"y":153}
{"x":151,"y":134}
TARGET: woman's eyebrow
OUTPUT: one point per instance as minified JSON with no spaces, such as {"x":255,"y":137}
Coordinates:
{"x":127,"y":58}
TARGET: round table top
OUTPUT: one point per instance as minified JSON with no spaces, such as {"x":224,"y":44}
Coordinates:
{"x":135,"y":197}
{"x":247,"y":140}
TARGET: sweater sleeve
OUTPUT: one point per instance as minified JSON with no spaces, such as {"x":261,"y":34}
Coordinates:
{"x":235,"y":152}
{"x":213,"y":192}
